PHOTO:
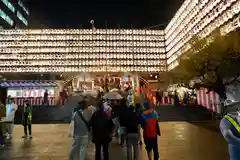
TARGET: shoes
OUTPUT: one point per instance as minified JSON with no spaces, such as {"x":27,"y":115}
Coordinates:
{"x":6,"y":134}
{"x":9,"y":136}
{"x":25,"y":136}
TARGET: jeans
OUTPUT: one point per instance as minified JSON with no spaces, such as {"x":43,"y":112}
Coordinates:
{"x":10,"y":128}
{"x":132,"y":143}
{"x":28,"y":127}
{"x":98,"y":147}
{"x":122,"y":134}
{"x":122,"y":139}
{"x":79,"y":145}
{"x":116,"y":125}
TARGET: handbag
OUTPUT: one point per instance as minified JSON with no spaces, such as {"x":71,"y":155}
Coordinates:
{"x":85,"y":121}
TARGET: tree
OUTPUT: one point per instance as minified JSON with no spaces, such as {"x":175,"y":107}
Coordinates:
{"x":213,"y":62}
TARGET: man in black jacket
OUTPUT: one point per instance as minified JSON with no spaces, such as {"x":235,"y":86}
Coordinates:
{"x":102,"y":129}
{"x":121,"y":113}
{"x":132,"y":132}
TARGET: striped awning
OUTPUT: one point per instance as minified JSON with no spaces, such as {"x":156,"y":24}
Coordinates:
{"x":27,"y":84}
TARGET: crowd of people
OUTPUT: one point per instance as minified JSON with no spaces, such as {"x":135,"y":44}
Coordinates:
{"x":119,"y":118}
{"x":99,"y":123}
{"x":7,"y":116}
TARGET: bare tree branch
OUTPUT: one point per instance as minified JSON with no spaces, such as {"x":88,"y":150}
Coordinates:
{"x":233,"y":80}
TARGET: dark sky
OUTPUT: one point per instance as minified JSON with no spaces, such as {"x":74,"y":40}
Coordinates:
{"x":78,"y":13}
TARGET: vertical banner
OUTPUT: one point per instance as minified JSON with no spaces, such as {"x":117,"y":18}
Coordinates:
{"x":136,"y":83}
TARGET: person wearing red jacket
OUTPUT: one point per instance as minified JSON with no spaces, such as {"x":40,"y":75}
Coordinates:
{"x":151,"y":130}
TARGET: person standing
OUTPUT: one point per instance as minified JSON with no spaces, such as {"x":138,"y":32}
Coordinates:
{"x":230,"y":129}
{"x":121,"y":114}
{"x":1,"y":136}
{"x":158,"y":98}
{"x":63,"y":96}
{"x":102,"y":129}
{"x":27,"y":120}
{"x":10,"y":117}
{"x":45,"y":97}
{"x":151,"y":130}
{"x":132,"y":132}
{"x":139,"y":110}
{"x":2,"y":110}
{"x":2,"y":127}
{"x":81,"y":129}
{"x":176,"y":98}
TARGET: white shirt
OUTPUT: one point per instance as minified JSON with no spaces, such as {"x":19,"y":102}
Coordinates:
{"x":11,"y":113}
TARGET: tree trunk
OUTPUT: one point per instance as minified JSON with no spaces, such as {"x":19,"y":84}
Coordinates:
{"x":221,"y":90}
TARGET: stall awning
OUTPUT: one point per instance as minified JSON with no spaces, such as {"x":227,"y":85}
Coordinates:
{"x":27,"y":84}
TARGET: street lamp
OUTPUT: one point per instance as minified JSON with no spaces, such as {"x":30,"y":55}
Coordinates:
{"x":93,"y":26}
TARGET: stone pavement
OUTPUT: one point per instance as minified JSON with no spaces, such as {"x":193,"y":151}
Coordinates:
{"x":179,"y":141}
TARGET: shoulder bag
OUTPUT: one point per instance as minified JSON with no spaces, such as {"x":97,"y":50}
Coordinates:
{"x":84,"y":120}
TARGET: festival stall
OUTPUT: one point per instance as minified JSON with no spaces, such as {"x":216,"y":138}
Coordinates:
{"x":209,"y":100}
{"x":30,"y":90}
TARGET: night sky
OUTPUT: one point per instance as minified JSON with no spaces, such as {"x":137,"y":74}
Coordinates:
{"x":78,"y":13}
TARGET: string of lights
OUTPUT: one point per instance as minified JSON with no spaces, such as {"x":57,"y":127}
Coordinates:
{"x":210,"y":12}
{"x":204,"y":29}
{"x":64,"y":56}
{"x":228,"y":27}
{"x":79,"y":43}
{"x":82,"y":51}
{"x":6,"y":37}
{"x":83,"y":32}
{"x":80,"y":69}
{"x":115,"y":50}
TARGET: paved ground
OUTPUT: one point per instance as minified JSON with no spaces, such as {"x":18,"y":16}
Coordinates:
{"x":179,"y":141}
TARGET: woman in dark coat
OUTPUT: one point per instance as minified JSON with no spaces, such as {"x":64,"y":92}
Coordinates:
{"x":102,"y":128}
{"x":27,"y":120}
